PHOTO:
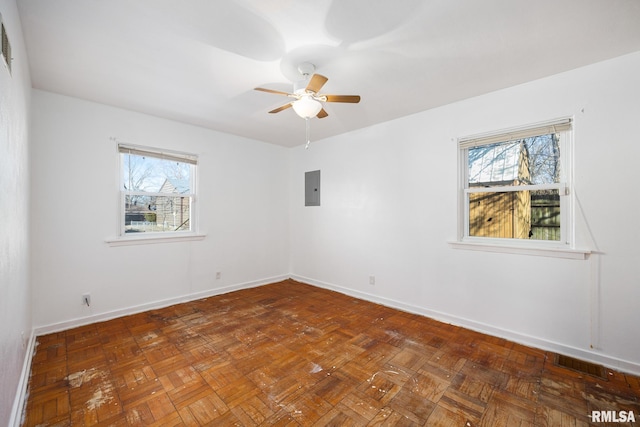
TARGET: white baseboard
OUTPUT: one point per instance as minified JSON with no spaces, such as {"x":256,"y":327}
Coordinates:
{"x":73,"y":323}
{"x":531,"y":341}
{"x":17,"y":411}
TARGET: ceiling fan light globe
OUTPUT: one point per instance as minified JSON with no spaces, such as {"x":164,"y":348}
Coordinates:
{"x":307,"y":107}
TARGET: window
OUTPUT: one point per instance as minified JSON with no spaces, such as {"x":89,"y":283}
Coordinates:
{"x":157,"y":192}
{"x":515,"y":186}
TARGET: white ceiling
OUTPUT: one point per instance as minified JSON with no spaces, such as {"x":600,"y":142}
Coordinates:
{"x":197,"y":61}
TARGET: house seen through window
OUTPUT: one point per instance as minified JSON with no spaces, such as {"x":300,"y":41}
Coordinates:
{"x":515,"y":185}
{"x":157,"y":190}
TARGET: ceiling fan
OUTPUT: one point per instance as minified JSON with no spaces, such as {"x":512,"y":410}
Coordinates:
{"x":307,"y":99}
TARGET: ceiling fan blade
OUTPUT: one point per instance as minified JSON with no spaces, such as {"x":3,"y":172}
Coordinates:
{"x":277,"y":92}
{"x":316,"y":83}
{"x":352,"y":99}
{"x":284,"y":107}
{"x":322,"y":114}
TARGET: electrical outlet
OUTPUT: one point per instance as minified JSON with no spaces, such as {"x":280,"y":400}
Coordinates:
{"x":86,"y":300}
{"x":372,"y":280}
{"x":218,"y":275}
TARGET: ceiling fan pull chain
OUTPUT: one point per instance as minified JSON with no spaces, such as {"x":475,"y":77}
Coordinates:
{"x":308,"y":133}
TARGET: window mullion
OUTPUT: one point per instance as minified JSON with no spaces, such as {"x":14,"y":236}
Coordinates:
{"x":512,"y":188}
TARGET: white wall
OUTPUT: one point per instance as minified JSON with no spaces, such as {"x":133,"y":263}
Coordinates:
{"x":243,"y":210}
{"x":15,"y":292}
{"x":389,"y":207}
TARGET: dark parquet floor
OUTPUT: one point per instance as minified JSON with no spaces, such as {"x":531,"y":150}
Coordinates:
{"x":290,"y":354}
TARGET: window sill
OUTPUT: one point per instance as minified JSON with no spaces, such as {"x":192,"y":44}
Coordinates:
{"x":567,"y":253}
{"x":147,"y":240}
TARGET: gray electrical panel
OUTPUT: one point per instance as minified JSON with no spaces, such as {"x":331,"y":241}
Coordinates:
{"x":312,"y":188}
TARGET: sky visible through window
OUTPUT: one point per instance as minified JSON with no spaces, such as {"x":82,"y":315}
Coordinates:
{"x":146,"y":173}
{"x":499,"y":162}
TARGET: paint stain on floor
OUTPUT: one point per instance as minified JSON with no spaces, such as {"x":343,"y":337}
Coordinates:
{"x":103,"y":392}
{"x":85,"y":376}
{"x":103,"y":395}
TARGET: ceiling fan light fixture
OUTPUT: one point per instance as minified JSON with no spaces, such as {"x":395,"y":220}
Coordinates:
{"x":307,"y":107}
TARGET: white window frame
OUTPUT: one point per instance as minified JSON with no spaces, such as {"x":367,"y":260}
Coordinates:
{"x":164,"y":236}
{"x":565,"y":247}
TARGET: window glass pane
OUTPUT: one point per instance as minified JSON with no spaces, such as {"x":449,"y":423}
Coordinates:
{"x":157,"y":190}
{"x":545,"y":215}
{"x":534,"y":160}
{"x":531,"y":215}
{"x":152,"y":174}
{"x":157,"y":213}
{"x":543,"y":153}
